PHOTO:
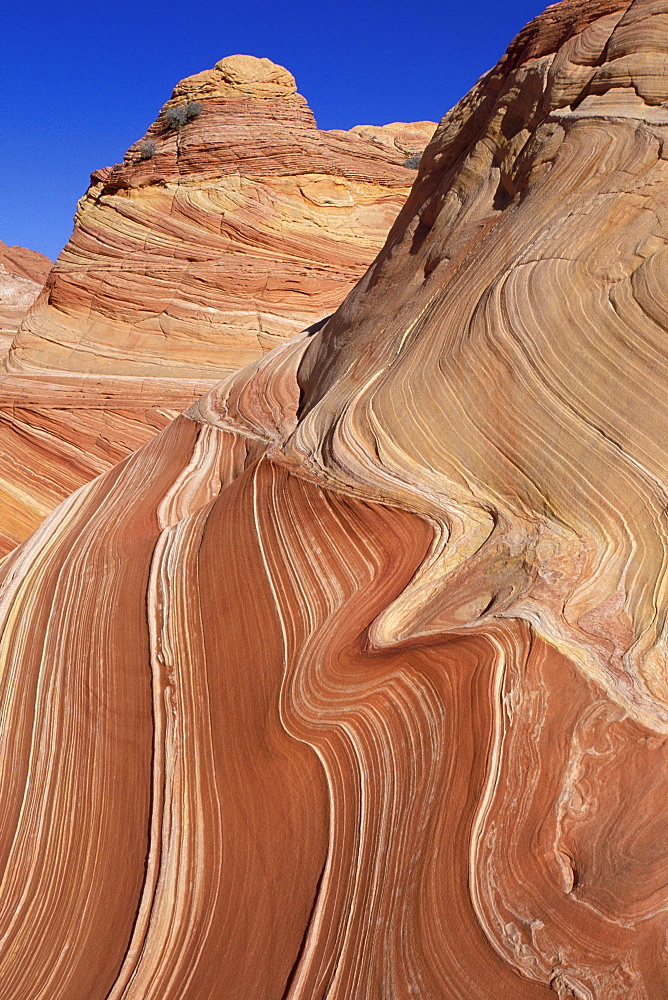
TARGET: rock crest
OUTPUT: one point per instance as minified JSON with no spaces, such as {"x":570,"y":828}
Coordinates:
{"x":239,"y":76}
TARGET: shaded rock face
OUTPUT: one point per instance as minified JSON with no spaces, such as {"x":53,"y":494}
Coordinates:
{"x":352,"y":681}
{"x":231,"y":225}
{"x":22,"y":275}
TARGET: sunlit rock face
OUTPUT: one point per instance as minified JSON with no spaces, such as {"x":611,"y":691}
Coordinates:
{"x":232,"y":224}
{"x":22,"y":275}
{"x":351,"y":683}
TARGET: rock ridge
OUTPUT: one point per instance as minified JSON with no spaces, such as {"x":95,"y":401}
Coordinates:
{"x":22,"y":276}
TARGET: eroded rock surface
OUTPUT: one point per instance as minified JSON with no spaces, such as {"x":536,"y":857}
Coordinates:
{"x":352,"y":682}
{"x":57,"y":432}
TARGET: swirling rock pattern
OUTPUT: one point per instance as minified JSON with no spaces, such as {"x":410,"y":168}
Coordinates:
{"x":218,"y":236}
{"x":352,"y":681}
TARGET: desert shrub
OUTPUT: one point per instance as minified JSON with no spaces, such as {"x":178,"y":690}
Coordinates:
{"x":176,"y":118}
{"x":413,"y":161}
{"x":147,"y":149}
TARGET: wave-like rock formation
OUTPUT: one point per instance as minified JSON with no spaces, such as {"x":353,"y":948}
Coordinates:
{"x":352,"y":682}
{"x":232,"y":224}
{"x":22,"y":275}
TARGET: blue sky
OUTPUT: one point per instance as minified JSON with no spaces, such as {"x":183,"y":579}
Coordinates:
{"x":84,"y":80}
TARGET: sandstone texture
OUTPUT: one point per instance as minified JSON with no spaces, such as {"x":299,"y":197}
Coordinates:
{"x":22,"y":275}
{"x":352,"y":683}
{"x":245,"y":225}
{"x":223,"y":232}
{"x":57,"y":432}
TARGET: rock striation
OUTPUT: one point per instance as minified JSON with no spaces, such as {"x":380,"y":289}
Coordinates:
{"x":231,"y":225}
{"x":219,"y":235}
{"x":57,"y":432}
{"x":22,"y":275}
{"x":352,"y":682}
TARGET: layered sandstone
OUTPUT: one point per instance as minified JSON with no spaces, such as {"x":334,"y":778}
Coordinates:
{"x":57,"y":432}
{"x":245,"y":225}
{"x":22,"y":275}
{"x":220,"y":234}
{"x":352,"y":682}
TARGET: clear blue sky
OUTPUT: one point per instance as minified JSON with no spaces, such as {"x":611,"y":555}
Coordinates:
{"x":83,"y":80}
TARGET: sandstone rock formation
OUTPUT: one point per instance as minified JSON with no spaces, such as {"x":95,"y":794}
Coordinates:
{"x":220,"y":234}
{"x":352,"y":682}
{"x":244,"y":225}
{"x":22,"y":275}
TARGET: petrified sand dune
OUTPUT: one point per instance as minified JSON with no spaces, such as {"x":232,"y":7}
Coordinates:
{"x":219,"y":235}
{"x":351,"y":683}
{"x":244,"y":225}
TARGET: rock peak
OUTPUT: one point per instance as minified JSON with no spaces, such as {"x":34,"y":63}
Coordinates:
{"x":242,"y":71}
{"x":239,"y":76}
